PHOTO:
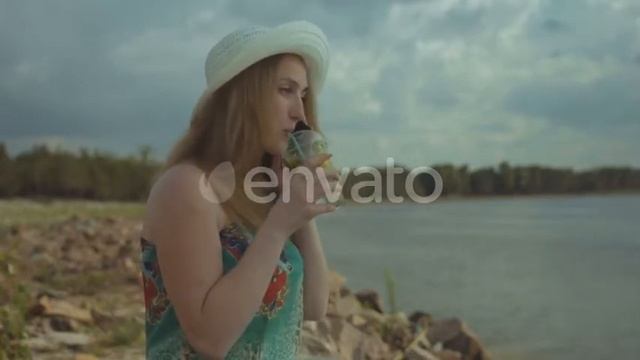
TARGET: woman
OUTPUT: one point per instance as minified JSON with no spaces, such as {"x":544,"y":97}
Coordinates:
{"x":208,"y":294}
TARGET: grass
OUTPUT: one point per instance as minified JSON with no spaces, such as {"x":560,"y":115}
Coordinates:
{"x":125,"y":333}
{"x":390,"y":286}
{"x":14,"y":302}
{"x":87,"y":283}
{"x":37,"y":212}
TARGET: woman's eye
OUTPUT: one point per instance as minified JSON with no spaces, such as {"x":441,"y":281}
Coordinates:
{"x":286,"y":90}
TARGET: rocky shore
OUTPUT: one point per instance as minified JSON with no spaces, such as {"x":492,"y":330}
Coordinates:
{"x":72,"y":290}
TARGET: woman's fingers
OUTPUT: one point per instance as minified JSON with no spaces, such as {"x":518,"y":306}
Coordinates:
{"x":318,"y":209}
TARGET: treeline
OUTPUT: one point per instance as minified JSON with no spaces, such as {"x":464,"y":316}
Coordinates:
{"x":41,"y":172}
{"x":505,"y":180}
{"x":535,"y":179}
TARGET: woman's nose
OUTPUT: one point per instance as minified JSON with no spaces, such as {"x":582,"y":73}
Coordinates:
{"x":297,"y":111}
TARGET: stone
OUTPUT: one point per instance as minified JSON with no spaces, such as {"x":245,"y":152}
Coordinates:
{"x":455,"y":335}
{"x":397,"y":331}
{"x":357,"y":320}
{"x":419,"y":347}
{"x":59,"y":323}
{"x":336,"y":282}
{"x":84,"y":357}
{"x":316,"y":345}
{"x":444,"y":330}
{"x":69,"y":339}
{"x":372,"y":347}
{"x":446,"y":354}
{"x":130,"y":264}
{"x":420,"y":320}
{"x":418,"y":353}
{"x":373,"y":316}
{"x":370,"y":298}
{"x":344,"y":306}
{"x":40,"y":344}
{"x":47,"y":306}
{"x":345,"y":335}
{"x":369,"y":321}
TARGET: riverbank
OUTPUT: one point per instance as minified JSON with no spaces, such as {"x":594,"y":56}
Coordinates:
{"x":71,"y":289}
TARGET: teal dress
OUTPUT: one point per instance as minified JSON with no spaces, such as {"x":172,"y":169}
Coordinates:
{"x":273,"y":333}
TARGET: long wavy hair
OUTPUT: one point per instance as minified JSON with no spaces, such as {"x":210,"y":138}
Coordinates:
{"x":230,"y":124}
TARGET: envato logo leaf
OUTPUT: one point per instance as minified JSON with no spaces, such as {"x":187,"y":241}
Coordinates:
{"x":218,"y":187}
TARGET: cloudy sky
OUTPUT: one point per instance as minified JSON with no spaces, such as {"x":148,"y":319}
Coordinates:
{"x":424,"y":82}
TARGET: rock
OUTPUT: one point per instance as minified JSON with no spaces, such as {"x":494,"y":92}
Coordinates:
{"x":40,"y":344}
{"x":444,"y":330}
{"x":69,"y":339}
{"x":10,"y":269}
{"x":311,"y":326}
{"x":102,"y":319}
{"x":357,"y":320}
{"x":370,"y":298}
{"x":345,"y":335}
{"x":355,"y":326}
{"x":317,"y":345}
{"x":418,"y":353}
{"x":47,"y":306}
{"x":446,"y":354}
{"x":336,"y":282}
{"x":18,"y":230}
{"x":58,"y":323}
{"x":397,"y":331}
{"x":345,"y":341}
{"x":372,"y":347}
{"x":419,"y":346}
{"x":129,"y":264}
{"x":52,"y":293}
{"x":368,"y":321}
{"x":373,"y":316}
{"x":455,"y":335}
{"x":84,"y":357}
{"x":420,"y":320}
{"x":344,"y":306}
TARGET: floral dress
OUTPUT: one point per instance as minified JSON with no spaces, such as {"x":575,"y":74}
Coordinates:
{"x":273,"y":333}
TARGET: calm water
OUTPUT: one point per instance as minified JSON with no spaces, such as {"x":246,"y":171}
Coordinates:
{"x":536,"y":278}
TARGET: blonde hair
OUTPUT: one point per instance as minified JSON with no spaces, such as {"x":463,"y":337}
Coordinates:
{"x":229,"y":125}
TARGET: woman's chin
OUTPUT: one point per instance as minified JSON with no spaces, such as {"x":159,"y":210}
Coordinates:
{"x":276,"y":150}
{"x":282,"y":146}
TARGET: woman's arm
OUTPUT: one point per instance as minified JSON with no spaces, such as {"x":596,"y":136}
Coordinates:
{"x":316,"y":272}
{"x":213,"y":308}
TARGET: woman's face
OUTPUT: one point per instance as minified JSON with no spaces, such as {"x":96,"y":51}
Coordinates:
{"x":288,"y":108}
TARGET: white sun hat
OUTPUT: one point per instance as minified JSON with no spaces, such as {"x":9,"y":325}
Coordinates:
{"x":243,"y":47}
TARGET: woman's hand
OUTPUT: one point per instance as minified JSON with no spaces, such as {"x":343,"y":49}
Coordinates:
{"x":294,"y":207}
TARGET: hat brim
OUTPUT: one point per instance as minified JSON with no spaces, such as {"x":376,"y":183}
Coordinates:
{"x":297,"y":37}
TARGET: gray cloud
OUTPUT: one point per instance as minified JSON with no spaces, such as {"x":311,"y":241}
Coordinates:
{"x":603,"y":105}
{"x":337,"y":18}
{"x":471,"y":81}
{"x":554,"y":25}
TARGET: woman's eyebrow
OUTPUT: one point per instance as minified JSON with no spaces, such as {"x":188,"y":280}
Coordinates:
{"x":294,"y":82}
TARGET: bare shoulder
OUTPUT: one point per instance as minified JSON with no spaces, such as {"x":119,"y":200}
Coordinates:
{"x":178,"y":196}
